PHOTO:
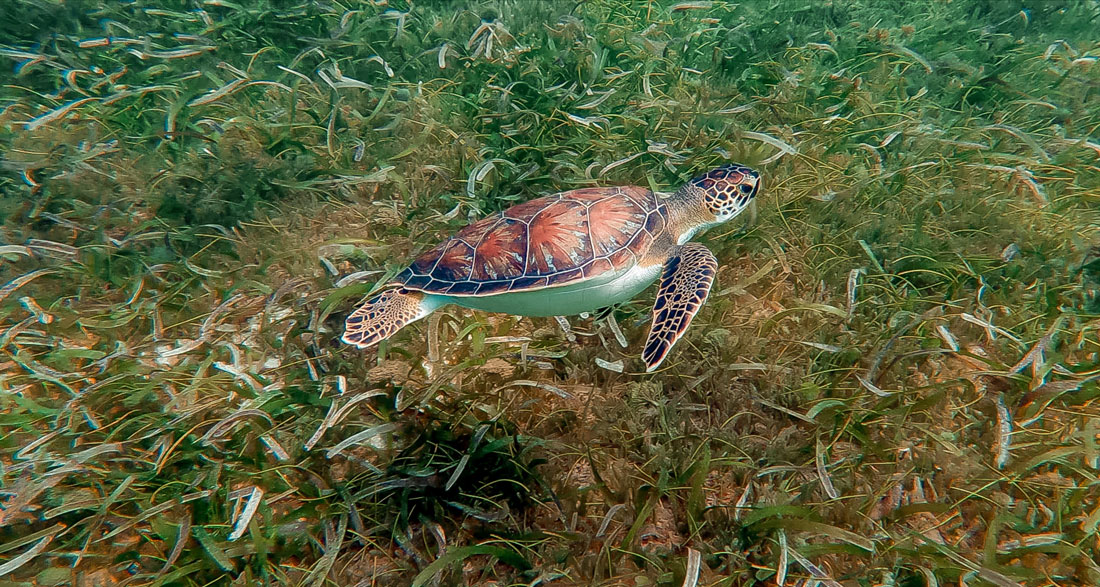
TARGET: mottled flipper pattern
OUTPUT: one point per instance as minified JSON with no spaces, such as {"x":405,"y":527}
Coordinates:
{"x":685,"y":283}
{"x":383,"y":315}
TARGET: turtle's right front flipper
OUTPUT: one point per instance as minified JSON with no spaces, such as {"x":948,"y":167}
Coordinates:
{"x":383,"y":315}
{"x":685,"y":283}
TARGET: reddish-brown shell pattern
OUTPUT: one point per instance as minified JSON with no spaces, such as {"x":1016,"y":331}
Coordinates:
{"x":546,"y":242}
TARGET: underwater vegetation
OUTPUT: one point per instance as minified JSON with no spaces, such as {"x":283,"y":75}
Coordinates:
{"x":893,"y":382}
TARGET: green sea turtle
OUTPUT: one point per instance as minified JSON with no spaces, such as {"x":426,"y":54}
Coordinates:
{"x":570,"y":253}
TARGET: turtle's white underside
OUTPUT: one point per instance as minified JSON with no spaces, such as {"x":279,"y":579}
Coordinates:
{"x":567,"y":300}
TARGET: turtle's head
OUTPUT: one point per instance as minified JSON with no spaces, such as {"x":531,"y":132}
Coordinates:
{"x":725,"y":191}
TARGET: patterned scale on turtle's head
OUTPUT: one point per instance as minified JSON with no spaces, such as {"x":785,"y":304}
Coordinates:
{"x":713,"y":198}
{"x":726,"y":191}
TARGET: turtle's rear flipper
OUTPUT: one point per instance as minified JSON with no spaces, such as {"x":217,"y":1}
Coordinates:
{"x":383,"y":315}
{"x":685,"y":283}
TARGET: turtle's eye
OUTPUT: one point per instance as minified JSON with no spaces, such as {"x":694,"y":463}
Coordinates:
{"x":745,"y":188}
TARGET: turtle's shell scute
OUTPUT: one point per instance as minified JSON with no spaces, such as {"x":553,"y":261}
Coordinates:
{"x":551,"y":241}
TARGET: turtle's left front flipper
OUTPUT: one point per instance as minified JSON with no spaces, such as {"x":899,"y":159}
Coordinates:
{"x":685,"y":283}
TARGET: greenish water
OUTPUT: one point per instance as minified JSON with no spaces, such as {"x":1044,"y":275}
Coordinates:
{"x":892,"y":382}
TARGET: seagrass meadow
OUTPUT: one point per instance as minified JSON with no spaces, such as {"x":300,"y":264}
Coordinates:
{"x":894,"y":382}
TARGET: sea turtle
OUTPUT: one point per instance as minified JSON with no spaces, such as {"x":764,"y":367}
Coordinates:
{"x":570,"y":253}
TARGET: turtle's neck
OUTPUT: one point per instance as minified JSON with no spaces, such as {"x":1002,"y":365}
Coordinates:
{"x":687,"y":215}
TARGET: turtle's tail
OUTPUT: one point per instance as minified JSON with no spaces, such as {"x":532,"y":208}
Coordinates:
{"x":384,"y":314}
